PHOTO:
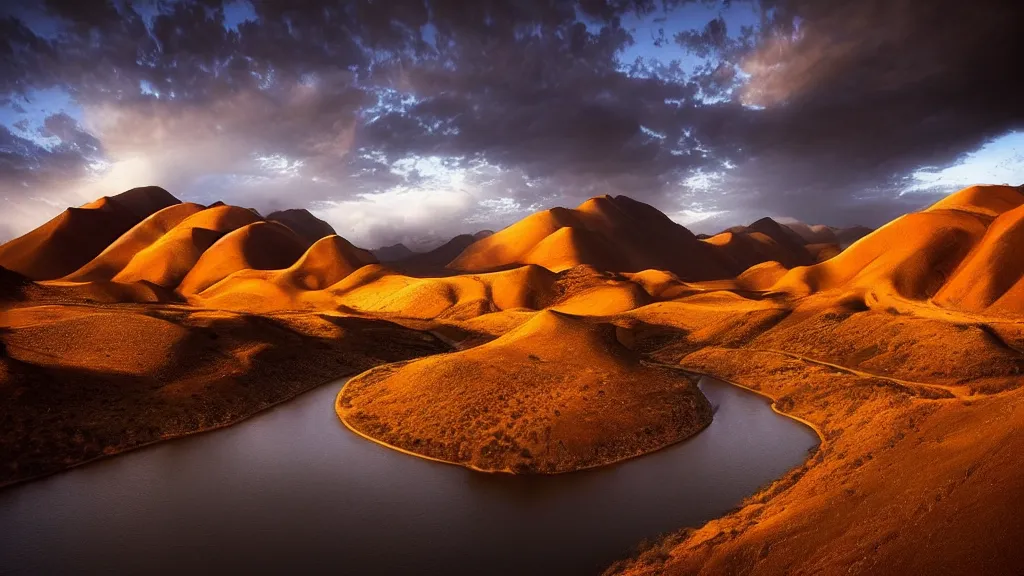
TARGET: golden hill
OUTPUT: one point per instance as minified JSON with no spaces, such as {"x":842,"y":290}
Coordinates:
{"x":957,"y":251}
{"x":257,"y":246}
{"x":325,"y":263}
{"x":554,"y":395}
{"x":77,"y":235}
{"x":119,"y":253}
{"x":611,"y":233}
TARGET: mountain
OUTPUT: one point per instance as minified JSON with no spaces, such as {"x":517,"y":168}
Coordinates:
{"x":817,"y":234}
{"x":393,"y":253}
{"x":257,"y":246}
{"x":608,"y":233}
{"x":77,"y":235}
{"x":309,"y":227}
{"x":763,"y":241}
{"x":959,"y":253}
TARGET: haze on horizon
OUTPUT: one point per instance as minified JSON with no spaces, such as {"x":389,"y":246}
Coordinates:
{"x":415,"y":120}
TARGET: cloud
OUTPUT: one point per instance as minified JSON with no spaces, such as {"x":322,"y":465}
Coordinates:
{"x":419,"y":119}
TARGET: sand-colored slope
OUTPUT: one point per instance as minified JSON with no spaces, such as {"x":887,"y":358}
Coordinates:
{"x":554,"y":395}
{"x":916,"y":255}
{"x":568,"y":247}
{"x":168,"y":260}
{"x":220,"y":218}
{"x":509,"y":245}
{"x":119,"y":253}
{"x":67,"y":242}
{"x":257,"y":246}
{"x":919,"y":468}
{"x":613,"y":233}
{"x":327,"y":262}
{"x":912,"y":256}
{"x":376,"y":289}
{"x":983,"y":200}
{"x":993,"y":273}
{"x":309,"y":227}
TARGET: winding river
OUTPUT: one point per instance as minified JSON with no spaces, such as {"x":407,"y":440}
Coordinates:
{"x":291,"y":490}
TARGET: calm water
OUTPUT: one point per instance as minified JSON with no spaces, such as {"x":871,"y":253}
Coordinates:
{"x":293,"y":490}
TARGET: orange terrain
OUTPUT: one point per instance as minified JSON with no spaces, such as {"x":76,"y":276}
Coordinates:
{"x":561,"y":342}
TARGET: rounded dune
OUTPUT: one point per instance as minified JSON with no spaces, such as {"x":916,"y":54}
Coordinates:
{"x":556,"y":394}
{"x":508,"y":246}
{"x":568,"y":247}
{"x":258,"y":246}
{"x":220,"y":218}
{"x":993,"y":272}
{"x":984,"y":200}
{"x":912,"y":256}
{"x":168,"y":260}
{"x":68,"y":241}
{"x":118,"y":254}
{"x":327,"y":262}
{"x":761,"y":277}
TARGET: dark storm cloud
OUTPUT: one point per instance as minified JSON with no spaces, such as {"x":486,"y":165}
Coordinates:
{"x":820,"y":112}
{"x":858,"y":95}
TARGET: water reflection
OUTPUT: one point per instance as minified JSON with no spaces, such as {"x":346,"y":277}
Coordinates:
{"x":292,"y":489}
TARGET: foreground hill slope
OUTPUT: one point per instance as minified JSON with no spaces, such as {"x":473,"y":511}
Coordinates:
{"x":554,"y":395}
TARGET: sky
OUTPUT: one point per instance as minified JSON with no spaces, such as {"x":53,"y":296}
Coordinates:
{"x":416,"y":120}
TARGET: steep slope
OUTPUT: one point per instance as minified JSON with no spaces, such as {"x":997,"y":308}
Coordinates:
{"x":167,"y":261}
{"x":259,"y":246}
{"x":556,"y":394}
{"x":309,"y":227}
{"x":119,"y":253}
{"x":568,"y":247}
{"x":992,"y":275}
{"x":68,"y":241}
{"x":916,"y":255}
{"x":641,"y":237}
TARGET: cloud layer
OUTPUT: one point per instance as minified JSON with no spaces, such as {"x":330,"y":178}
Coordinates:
{"x":418,"y":120}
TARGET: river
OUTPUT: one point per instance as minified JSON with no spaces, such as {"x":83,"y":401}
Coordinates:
{"x":292,"y":490}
